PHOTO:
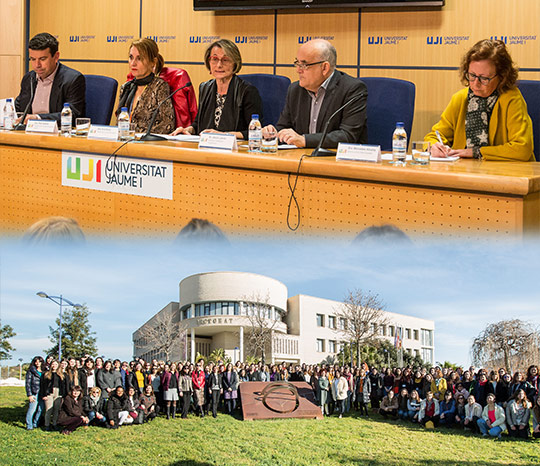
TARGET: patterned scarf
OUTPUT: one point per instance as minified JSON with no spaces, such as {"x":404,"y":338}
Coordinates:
{"x":479,"y":111}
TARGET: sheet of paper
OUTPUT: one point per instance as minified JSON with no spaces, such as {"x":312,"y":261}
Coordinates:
{"x":182,"y":137}
{"x":433,"y":159}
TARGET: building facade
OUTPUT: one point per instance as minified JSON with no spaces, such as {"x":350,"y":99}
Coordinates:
{"x":222,"y":309}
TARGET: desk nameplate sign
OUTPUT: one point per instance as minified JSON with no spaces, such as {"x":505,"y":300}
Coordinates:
{"x":359,"y":152}
{"x":218,"y":141}
{"x":107,"y":133}
{"x":42,"y":126}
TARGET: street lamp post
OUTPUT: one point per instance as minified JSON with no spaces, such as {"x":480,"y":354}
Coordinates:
{"x":60,"y":300}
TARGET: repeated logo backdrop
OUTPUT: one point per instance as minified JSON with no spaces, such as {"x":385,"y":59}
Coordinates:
{"x":421,"y":46}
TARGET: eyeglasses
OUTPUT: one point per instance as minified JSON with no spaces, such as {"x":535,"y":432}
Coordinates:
{"x":224,"y":61}
{"x":304,"y":66}
{"x":484,"y":80}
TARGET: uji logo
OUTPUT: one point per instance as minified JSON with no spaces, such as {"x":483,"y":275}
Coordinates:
{"x":112,"y":38}
{"x":154,"y":38}
{"x":503,"y":38}
{"x":194,"y":39}
{"x":434,"y":40}
{"x":77,"y":174}
{"x":240,"y":39}
{"x":372,"y":40}
{"x":74,"y":38}
{"x":304,"y":39}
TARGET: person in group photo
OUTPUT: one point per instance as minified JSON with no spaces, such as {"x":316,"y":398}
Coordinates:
{"x":488,"y":119}
{"x":72,"y":413}
{"x":226,"y":102}
{"x":146,"y":93}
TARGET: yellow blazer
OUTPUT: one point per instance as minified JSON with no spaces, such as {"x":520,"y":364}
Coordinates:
{"x":510,"y":127}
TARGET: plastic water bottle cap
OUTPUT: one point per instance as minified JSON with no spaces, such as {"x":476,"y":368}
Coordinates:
{"x":124,"y":109}
{"x":8,"y":101}
{"x":66,"y":105}
{"x":400,"y":123}
{"x":255,"y":116}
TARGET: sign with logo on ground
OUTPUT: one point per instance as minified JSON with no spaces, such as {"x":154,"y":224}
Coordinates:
{"x":139,"y":177}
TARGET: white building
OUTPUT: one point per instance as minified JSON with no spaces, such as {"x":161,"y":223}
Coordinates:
{"x":214,"y":311}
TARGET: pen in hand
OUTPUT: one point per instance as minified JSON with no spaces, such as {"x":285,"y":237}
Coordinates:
{"x":441,"y":141}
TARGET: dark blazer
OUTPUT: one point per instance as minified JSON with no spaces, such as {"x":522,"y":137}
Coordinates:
{"x":350,"y":125}
{"x":243,"y":100}
{"x":68,"y":86}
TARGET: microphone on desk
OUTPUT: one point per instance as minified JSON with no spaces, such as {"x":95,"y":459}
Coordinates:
{"x":21,"y":126}
{"x":319,"y":151}
{"x":153,"y":137}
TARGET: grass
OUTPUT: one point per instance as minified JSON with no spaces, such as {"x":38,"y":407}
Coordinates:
{"x":228,"y":441}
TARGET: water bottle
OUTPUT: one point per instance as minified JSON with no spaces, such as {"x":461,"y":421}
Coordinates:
{"x":399,"y":144}
{"x":123,"y":124}
{"x":66,"y":121}
{"x":9,"y":114}
{"x":255,"y":134}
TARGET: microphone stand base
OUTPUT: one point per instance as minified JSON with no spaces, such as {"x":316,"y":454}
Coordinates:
{"x":322,"y":153}
{"x":152,"y":137}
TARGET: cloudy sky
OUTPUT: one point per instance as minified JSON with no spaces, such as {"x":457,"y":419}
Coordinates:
{"x":462,"y":287}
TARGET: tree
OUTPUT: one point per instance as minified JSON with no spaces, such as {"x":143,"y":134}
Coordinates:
{"x":508,"y":343}
{"x":262,"y":325}
{"x":77,"y":337}
{"x":6,"y":332}
{"x":380,"y":354}
{"x":163,"y":333}
{"x":360,"y":318}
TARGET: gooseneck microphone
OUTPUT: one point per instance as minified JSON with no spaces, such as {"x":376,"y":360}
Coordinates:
{"x":21,"y":126}
{"x":154,"y":137}
{"x":318,"y":151}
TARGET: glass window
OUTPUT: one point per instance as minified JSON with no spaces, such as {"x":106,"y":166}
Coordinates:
{"x":416,"y":335}
{"x":408,"y":333}
{"x":206,"y":309}
{"x":331,"y":322}
{"x":332,"y":346}
{"x":392,"y":330}
{"x":320,"y":345}
{"x":320,"y":320}
{"x":342,"y":323}
{"x":236,"y":309}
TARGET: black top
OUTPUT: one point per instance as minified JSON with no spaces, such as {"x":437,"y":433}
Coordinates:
{"x":242,"y":101}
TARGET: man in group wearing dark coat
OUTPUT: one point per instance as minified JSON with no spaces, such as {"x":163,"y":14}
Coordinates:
{"x":50,"y":84}
{"x":321,"y":90}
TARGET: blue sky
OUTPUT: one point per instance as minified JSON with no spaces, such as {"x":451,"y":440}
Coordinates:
{"x":461,"y":286}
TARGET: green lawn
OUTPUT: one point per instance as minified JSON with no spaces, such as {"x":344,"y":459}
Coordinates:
{"x":228,"y":441}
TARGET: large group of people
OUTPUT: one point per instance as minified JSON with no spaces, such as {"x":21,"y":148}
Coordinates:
{"x":79,"y":391}
{"x":487,"y":119}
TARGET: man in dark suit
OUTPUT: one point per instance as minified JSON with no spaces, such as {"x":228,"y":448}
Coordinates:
{"x":50,"y":84}
{"x":318,"y":93}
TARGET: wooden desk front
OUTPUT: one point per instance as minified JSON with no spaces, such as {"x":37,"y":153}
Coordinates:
{"x":247,"y":195}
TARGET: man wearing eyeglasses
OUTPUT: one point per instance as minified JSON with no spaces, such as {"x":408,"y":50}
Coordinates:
{"x":50,"y":84}
{"x":318,"y":93}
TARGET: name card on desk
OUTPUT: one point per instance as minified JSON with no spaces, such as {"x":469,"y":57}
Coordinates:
{"x":108,"y":133}
{"x":359,"y":152}
{"x":218,"y":141}
{"x":42,"y":126}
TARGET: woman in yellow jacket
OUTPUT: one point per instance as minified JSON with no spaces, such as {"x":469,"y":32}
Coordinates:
{"x":488,"y":119}
{"x":439,"y":385}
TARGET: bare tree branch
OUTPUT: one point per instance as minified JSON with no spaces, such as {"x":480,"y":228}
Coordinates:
{"x":510,"y":344}
{"x":163,"y":333}
{"x":359,"y":319}
{"x":262,"y":324}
